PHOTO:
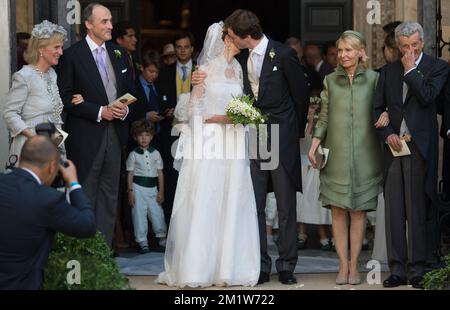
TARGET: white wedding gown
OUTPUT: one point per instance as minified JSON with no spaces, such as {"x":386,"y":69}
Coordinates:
{"x":213,"y":236}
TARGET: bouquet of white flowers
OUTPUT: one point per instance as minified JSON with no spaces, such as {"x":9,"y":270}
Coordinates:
{"x":240,"y":110}
{"x":315,"y":105}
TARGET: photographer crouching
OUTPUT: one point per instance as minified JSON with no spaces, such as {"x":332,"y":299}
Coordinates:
{"x":31,"y":212}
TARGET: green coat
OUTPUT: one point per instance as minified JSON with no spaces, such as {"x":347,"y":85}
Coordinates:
{"x":352,"y":177}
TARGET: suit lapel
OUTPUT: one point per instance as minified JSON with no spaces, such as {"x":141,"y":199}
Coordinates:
{"x":173,"y":85}
{"x":265,"y":71}
{"x":399,"y":72}
{"x":87,"y":60}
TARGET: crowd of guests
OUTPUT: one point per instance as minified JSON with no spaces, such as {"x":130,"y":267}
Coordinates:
{"x":123,"y":153}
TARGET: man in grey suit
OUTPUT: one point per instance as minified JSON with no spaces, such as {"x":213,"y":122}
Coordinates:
{"x":408,"y":89}
{"x":98,"y":132}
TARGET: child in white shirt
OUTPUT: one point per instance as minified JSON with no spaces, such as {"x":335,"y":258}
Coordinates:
{"x":145,"y":177}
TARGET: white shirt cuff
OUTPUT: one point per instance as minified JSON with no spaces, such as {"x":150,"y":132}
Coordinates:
{"x":74,"y":188}
{"x":128,"y":111}
{"x":406,"y":73}
{"x":448,"y":133}
{"x":99,"y":116}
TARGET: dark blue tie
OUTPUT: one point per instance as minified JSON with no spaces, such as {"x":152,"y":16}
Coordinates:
{"x":153,"y":102}
{"x":152,"y":96}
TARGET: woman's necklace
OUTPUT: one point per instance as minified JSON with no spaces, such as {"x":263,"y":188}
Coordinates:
{"x":54,"y":95}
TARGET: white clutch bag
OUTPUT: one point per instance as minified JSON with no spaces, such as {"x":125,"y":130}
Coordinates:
{"x":60,"y":136}
{"x":322,"y":157}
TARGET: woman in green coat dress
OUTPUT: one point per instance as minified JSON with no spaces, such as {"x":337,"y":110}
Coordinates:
{"x":352,"y":178}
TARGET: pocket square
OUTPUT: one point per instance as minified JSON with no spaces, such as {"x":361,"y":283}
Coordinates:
{"x":275,"y":68}
{"x":124,"y":70}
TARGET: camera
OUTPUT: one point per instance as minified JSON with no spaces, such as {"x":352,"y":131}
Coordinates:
{"x":49,"y":130}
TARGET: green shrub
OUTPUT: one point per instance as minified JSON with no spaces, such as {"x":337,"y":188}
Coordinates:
{"x":99,"y":270}
{"x":439,"y":279}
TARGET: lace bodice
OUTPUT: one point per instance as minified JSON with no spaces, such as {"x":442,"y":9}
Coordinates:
{"x":223,"y":82}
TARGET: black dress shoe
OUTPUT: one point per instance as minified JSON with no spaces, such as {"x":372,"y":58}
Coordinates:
{"x":286,"y":277}
{"x":394,"y":281}
{"x":263,"y":277}
{"x":416,"y":282}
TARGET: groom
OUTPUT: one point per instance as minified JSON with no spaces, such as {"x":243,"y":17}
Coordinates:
{"x":273,"y":75}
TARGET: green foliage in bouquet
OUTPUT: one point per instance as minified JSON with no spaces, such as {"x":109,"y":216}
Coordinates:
{"x":240,"y":110}
{"x":99,"y":270}
{"x":438,"y":279}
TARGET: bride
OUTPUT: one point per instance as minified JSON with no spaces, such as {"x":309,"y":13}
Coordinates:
{"x":213,"y":235}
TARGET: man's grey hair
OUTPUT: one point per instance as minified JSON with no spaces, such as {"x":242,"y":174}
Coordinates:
{"x":87,"y":12}
{"x":407,"y":29}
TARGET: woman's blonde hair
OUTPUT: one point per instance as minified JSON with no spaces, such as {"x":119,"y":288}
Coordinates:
{"x":357,"y":41}
{"x":32,"y":54}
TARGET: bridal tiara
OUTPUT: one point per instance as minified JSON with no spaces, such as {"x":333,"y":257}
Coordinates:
{"x":46,"y":29}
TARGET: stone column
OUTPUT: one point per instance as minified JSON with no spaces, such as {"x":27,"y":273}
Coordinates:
{"x":373,"y":32}
{"x":426,"y":11}
{"x":60,"y":13}
{"x":405,"y":10}
{"x":6,"y":40}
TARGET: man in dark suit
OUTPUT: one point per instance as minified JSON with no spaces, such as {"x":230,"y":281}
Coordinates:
{"x":408,"y":89}
{"x":31,"y":212}
{"x":124,"y":35}
{"x":173,"y":81}
{"x":98,"y":130}
{"x":315,"y":82}
{"x":445,"y":135}
{"x":273,"y":75}
{"x":314,"y":59}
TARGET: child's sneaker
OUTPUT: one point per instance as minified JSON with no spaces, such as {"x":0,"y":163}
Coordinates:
{"x":162,"y":242}
{"x":301,"y":241}
{"x":144,"y":249}
{"x":326,"y":245}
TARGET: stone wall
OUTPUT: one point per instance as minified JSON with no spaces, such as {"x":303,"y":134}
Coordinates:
{"x":5,"y":73}
{"x":24,"y":15}
{"x":390,"y":11}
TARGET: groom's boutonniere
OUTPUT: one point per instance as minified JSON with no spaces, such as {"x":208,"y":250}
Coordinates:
{"x":118,"y":53}
{"x":272,"y":54}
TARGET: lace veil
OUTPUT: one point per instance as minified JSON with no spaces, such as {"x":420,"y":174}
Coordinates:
{"x":196,"y":107}
{"x":189,"y":105}
{"x":213,"y":45}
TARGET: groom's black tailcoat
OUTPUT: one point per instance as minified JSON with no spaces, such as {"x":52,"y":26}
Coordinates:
{"x":283,"y":96}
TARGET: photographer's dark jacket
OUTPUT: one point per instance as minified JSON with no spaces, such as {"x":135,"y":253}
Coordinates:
{"x":30,"y":214}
